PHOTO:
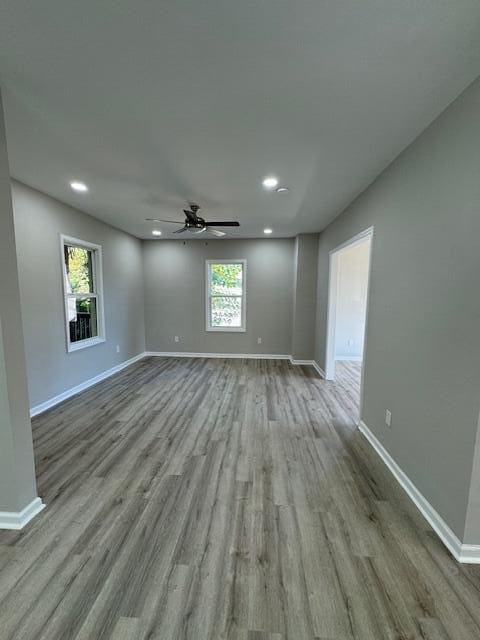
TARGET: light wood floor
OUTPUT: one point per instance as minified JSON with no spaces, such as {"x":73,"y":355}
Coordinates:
{"x":229,"y":499}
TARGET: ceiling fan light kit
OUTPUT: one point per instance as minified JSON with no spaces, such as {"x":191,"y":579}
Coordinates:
{"x":195,"y":224}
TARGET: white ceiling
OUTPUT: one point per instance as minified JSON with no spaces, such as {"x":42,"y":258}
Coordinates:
{"x":157,"y":103}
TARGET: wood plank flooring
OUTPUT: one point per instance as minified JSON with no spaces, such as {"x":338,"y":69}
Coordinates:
{"x":224,"y":499}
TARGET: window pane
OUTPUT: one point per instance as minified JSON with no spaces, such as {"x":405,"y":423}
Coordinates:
{"x":226,"y":279}
{"x":226,"y":312}
{"x":78,"y":262}
{"x":82,"y":318}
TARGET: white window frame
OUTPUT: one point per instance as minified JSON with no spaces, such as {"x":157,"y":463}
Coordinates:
{"x":97,"y":293}
{"x":208,"y":296}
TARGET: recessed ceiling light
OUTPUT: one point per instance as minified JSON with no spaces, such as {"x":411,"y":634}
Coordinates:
{"x":270,"y":182}
{"x":156,"y":232}
{"x":282,"y":190}
{"x":268,"y":231}
{"x":81,"y":187}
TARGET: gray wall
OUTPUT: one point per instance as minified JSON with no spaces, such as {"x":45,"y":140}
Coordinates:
{"x":422,"y":357}
{"x":17,"y":473}
{"x":39,"y":221}
{"x":304,"y":307}
{"x":472,"y":525}
{"x":175,"y":295}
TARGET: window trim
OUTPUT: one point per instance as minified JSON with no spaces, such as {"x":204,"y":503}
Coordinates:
{"x":208,"y":296}
{"x":97,"y":272}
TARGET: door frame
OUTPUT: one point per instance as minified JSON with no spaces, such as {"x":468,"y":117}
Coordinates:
{"x":332,"y":305}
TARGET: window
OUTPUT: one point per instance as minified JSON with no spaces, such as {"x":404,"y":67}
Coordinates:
{"x":82,"y":287}
{"x":226,"y":295}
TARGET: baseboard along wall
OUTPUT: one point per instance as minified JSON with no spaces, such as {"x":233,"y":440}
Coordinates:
{"x":18,"y":519}
{"x":73,"y":391}
{"x":465,"y":553}
{"x":187,"y":354}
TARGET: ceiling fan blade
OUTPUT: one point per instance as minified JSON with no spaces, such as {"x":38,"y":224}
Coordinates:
{"x":202,"y":230}
{"x":159,"y":220}
{"x":232,"y":223}
{"x":216,"y":232}
{"x":180,"y":230}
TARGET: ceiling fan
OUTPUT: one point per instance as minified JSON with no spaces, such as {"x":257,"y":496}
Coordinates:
{"x":195,"y":224}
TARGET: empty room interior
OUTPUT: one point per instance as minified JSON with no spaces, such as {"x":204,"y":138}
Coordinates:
{"x":239,"y":320}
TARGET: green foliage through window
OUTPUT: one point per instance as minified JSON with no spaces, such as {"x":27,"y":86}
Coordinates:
{"x":81,"y":307}
{"x":226,"y":294}
{"x":78,"y":262}
{"x":226,"y":279}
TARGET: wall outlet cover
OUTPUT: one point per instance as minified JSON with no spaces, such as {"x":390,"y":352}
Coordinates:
{"x":388,"y":418}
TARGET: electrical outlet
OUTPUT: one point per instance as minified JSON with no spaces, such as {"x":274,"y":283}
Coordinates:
{"x":118,"y":348}
{"x":177,"y":339}
{"x":350,"y":342}
{"x":388,"y":418}
{"x":259,"y":341}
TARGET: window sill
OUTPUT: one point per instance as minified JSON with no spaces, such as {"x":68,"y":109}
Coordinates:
{"x":226,"y":329}
{"x":83,"y":344}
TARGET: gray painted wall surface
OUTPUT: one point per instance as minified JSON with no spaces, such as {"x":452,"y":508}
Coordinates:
{"x":304,"y":301}
{"x":17,"y":472}
{"x":422,"y":357}
{"x":472,"y":524}
{"x":39,"y":221}
{"x":175,"y":295}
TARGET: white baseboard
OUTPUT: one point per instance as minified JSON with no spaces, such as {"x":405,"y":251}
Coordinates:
{"x":258,"y":356}
{"x":465,"y":553}
{"x":319,"y":369}
{"x":470,"y":554}
{"x":348,"y":358}
{"x":18,"y":519}
{"x":40,"y":408}
{"x":301,"y":362}
{"x":184,"y":354}
{"x":310,"y":363}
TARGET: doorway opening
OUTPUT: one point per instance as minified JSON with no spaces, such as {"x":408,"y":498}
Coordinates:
{"x":349,"y":276}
